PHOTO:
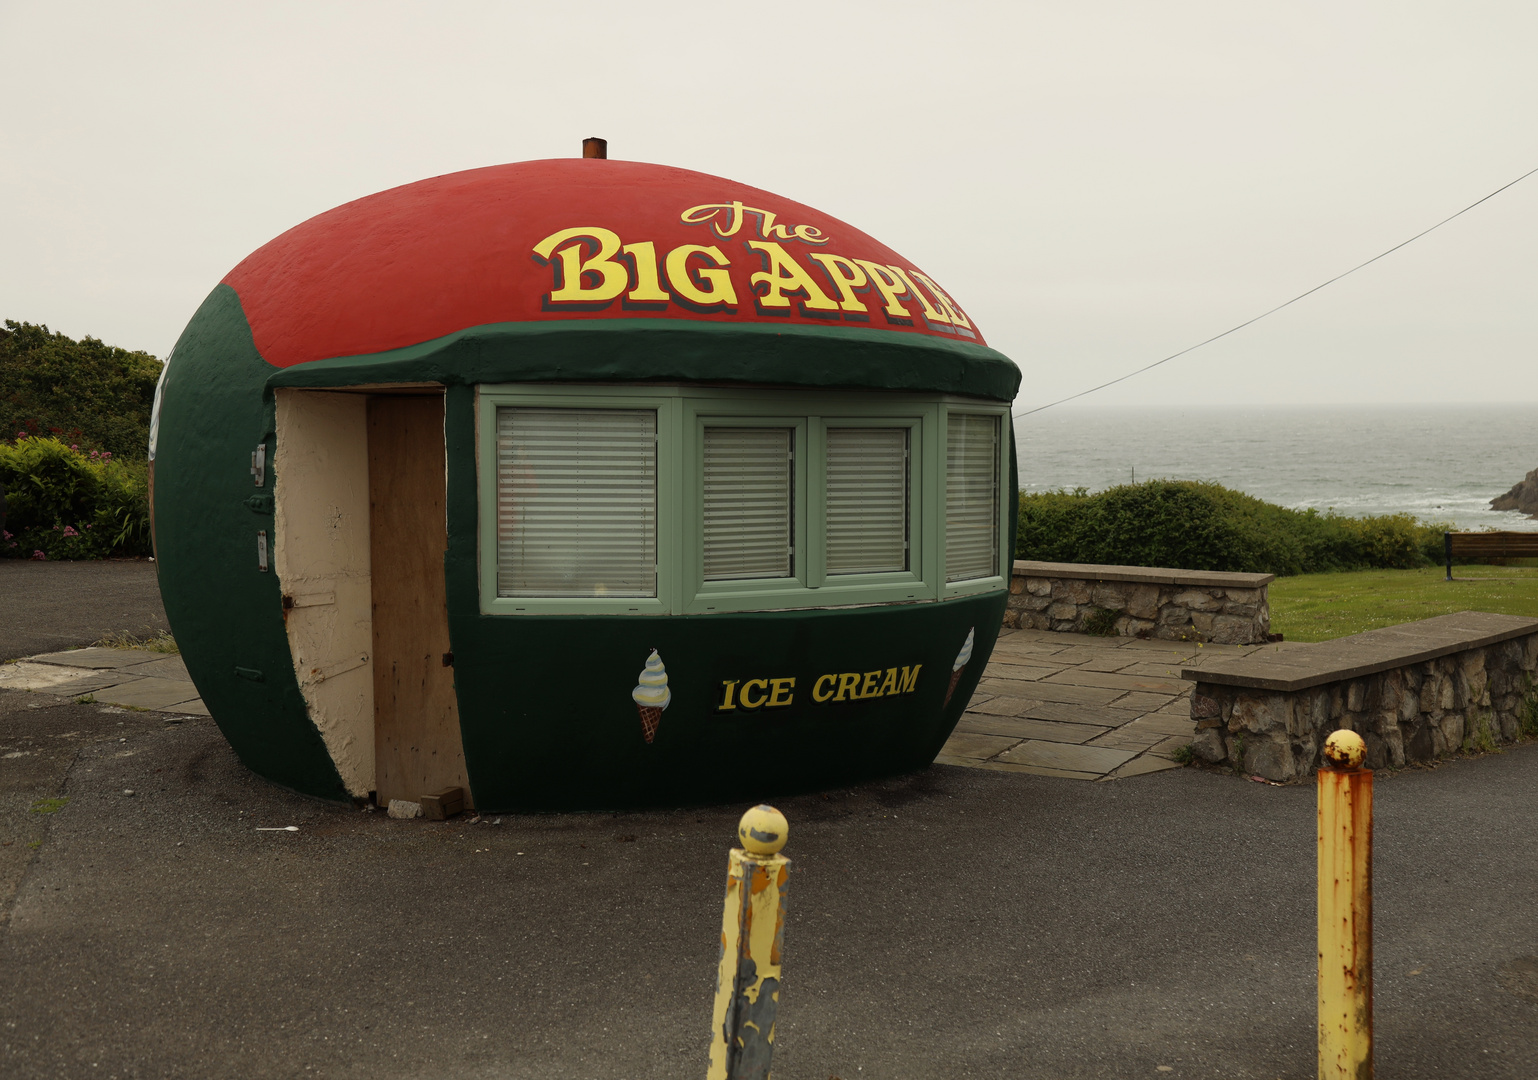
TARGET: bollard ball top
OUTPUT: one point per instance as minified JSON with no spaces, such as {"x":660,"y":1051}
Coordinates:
{"x":762,"y":830}
{"x":1345,"y":749}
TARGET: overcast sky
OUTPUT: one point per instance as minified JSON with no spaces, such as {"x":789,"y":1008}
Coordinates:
{"x":1099,"y":184}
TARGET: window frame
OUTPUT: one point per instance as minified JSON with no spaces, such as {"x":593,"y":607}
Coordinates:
{"x":1005,"y":558}
{"x":811,"y":414}
{"x":492,"y":397}
{"x":682,"y":413}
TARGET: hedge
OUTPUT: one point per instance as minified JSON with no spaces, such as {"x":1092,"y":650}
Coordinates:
{"x":69,"y":503}
{"x":1204,"y":526}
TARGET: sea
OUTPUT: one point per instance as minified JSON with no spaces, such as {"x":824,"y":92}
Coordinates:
{"x":1441,"y":464}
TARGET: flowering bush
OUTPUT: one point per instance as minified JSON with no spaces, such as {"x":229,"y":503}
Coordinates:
{"x":64,"y":503}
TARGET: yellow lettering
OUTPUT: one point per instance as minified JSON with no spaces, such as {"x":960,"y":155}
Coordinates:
{"x":688,"y":286}
{"x":736,"y":215}
{"x":820,"y":695}
{"x":785,"y":275}
{"x":762,"y":684}
{"x":918,"y":294}
{"x":847,"y":682}
{"x":612,"y":275}
{"x":908,"y":682}
{"x":728,"y":692}
{"x":951,"y":310}
{"x":647,"y":286}
{"x":697,"y":215}
{"x":780,"y":692}
{"x":888,"y":684}
{"x":868,"y":687}
{"x":889,"y":286}
{"x":846,"y":278}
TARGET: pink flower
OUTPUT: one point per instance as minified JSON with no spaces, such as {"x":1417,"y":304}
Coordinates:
{"x":7,"y":535}
{"x":69,"y":530}
{"x":40,"y":555}
{"x":72,"y":446}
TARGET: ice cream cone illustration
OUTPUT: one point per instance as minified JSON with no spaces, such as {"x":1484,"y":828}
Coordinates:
{"x":652,"y":695}
{"x":962,"y":659}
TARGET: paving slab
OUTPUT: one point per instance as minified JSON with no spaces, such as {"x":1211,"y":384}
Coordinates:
{"x":1002,"y":705}
{"x":1095,"y":760}
{"x":1123,"y":739}
{"x":1145,"y":702}
{"x":1165,"y":724}
{"x":161,"y":695}
{"x":1079,"y":714}
{"x":167,"y":667}
{"x":1021,"y":728}
{"x":1157,"y":669}
{"x":1011,"y":670}
{"x":1040,"y":691}
{"x":1037,"y":770}
{"x":97,"y":657}
{"x":964,"y":744}
{"x":1142,"y":766}
{"x":1081,"y":676}
{"x":52,"y":679}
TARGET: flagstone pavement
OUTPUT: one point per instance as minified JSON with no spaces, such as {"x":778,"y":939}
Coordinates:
{"x":1082,"y":707}
{"x":128,"y":678}
{"x":1067,"y":705}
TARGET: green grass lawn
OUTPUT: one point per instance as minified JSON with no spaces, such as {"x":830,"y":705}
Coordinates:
{"x":1317,"y":607}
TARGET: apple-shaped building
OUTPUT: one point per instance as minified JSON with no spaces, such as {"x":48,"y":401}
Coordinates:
{"x":582,"y":484}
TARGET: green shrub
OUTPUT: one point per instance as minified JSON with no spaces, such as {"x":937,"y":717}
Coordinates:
{"x":85,"y":392}
{"x":1194,"y":525}
{"x":68,"y":503}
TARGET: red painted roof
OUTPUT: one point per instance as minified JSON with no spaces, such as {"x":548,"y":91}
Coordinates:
{"x":572,"y":239}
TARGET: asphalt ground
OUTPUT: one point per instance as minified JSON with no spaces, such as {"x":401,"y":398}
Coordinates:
{"x":952,"y":923}
{"x":46,"y":606}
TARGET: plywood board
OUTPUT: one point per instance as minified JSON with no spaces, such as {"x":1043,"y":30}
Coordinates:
{"x":417,"y":744}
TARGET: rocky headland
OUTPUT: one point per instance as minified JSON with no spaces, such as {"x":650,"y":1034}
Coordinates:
{"x":1523,"y":497}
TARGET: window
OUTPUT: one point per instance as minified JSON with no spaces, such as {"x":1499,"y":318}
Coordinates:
{"x":971,"y":496}
{"x":576,"y":502}
{"x":867,"y":500}
{"x":748,"y":507}
{"x":654,"y":500}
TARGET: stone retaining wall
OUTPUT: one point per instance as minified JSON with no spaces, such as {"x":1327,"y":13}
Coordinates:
{"x":1471,"y":699}
{"x":1138,"y":601}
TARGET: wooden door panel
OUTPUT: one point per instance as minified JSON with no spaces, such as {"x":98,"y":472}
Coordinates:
{"x":417,"y":744}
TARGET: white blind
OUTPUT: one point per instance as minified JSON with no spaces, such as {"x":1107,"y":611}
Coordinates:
{"x":747,"y":512}
{"x":576,"y":502}
{"x":971,"y":497}
{"x":867,"y":506}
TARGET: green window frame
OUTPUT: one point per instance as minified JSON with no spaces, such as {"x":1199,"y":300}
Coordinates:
{"x":683,"y":416}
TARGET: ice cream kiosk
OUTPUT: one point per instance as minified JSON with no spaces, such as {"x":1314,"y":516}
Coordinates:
{"x":580,"y":484}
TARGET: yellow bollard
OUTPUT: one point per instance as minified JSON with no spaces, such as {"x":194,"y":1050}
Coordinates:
{"x":752,"y":934}
{"x":1345,"y":911}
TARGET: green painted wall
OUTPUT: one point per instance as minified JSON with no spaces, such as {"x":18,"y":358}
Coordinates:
{"x":544,"y":702}
{"x":226,"y":614}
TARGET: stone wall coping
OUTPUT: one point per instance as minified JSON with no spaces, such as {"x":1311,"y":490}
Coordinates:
{"x":1143,"y":575}
{"x":1302,"y":666}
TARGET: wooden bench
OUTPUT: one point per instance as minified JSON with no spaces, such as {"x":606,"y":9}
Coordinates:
{"x":1489,"y":545}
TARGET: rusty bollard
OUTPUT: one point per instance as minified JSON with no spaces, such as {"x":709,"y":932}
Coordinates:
{"x":752,"y":933}
{"x":1345,"y":910}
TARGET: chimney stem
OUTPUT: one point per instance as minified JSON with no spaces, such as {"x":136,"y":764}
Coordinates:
{"x":595,"y":148}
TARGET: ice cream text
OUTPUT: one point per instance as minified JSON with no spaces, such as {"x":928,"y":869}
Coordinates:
{"x":750,"y":694}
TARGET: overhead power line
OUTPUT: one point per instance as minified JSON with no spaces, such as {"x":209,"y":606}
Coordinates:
{"x":1273,"y":311}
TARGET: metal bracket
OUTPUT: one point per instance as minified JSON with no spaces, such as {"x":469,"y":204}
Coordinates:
{"x":259,"y":465}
